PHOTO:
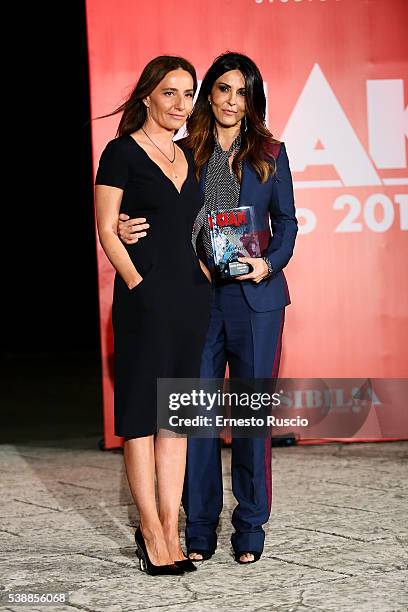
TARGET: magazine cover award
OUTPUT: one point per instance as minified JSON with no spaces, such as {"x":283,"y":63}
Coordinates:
{"x":233,"y":235}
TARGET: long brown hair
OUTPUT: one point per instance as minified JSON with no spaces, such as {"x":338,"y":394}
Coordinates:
{"x":256,"y":139}
{"x":134,"y":110}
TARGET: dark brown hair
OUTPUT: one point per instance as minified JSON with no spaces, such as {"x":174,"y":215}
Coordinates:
{"x":256,"y":139}
{"x":134,"y":110}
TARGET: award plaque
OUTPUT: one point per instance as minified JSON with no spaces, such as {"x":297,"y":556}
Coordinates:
{"x":233,"y":235}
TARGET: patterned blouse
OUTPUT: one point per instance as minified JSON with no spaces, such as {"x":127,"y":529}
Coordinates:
{"x":221,"y":193}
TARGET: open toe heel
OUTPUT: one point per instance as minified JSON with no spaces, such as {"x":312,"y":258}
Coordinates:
{"x":206,"y":554}
{"x":238,"y":555}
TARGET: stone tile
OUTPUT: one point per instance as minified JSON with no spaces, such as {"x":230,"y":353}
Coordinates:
{"x":384,"y":593}
{"x":201,"y":590}
{"x":345,"y":523}
{"x":278,"y":600}
{"x":47,"y":541}
{"x":282,"y":541}
{"x":57,"y":573}
{"x":16,"y":508}
{"x":336,"y":540}
{"x":36,"y":490}
{"x":352,"y":557}
{"x":130,"y":594}
{"x":58,"y":607}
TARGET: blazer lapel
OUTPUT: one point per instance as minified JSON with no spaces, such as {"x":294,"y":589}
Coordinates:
{"x":245,"y":190}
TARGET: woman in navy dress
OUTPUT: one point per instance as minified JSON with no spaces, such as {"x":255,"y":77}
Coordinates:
{"x":161,"y":298}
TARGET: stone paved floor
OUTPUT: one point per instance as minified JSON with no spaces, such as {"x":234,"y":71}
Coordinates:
{"x":337,"y":539}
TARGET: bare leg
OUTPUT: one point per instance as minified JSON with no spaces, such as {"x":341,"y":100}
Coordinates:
{"x":170,"y":468}
{"x":140,"y":469}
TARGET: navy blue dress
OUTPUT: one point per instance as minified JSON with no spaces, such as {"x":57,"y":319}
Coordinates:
{"x":160,"y":325}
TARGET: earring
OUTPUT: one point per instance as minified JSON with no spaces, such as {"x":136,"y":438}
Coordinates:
{"x":209,"y":102}
{"x":245,"y":124}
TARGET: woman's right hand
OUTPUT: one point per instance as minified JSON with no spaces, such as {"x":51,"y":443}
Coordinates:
{"x":134,"y":283}
{"x":130,"y":230}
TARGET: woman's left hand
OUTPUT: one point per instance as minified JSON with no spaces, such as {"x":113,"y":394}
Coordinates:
{"x":259,"y":272}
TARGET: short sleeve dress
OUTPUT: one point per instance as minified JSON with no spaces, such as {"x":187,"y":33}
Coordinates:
{"x":160,"y":325}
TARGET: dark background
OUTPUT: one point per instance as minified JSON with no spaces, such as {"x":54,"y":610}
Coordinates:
{"x":50,"y":352}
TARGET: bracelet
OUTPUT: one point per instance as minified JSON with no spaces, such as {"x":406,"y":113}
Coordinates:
{"x":270,"y":269}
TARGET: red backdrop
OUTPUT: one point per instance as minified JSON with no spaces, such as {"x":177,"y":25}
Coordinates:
{"x":334,"y":73}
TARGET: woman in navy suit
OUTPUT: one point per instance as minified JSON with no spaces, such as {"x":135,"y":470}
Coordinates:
{"x":238,"y":163}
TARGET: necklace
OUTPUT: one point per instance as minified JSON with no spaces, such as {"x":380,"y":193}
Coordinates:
{"x":163,"y":153}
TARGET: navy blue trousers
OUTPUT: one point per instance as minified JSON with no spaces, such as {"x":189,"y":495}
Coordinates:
{"x":250,"y":342}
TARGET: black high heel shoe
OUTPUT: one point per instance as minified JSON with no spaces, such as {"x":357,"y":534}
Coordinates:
{"x":238,"y":555}
{"x":147,"y":566}
{"x":186,"y":565}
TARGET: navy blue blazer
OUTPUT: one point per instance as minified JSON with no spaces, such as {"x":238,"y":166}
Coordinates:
{"x":272,"y":201}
